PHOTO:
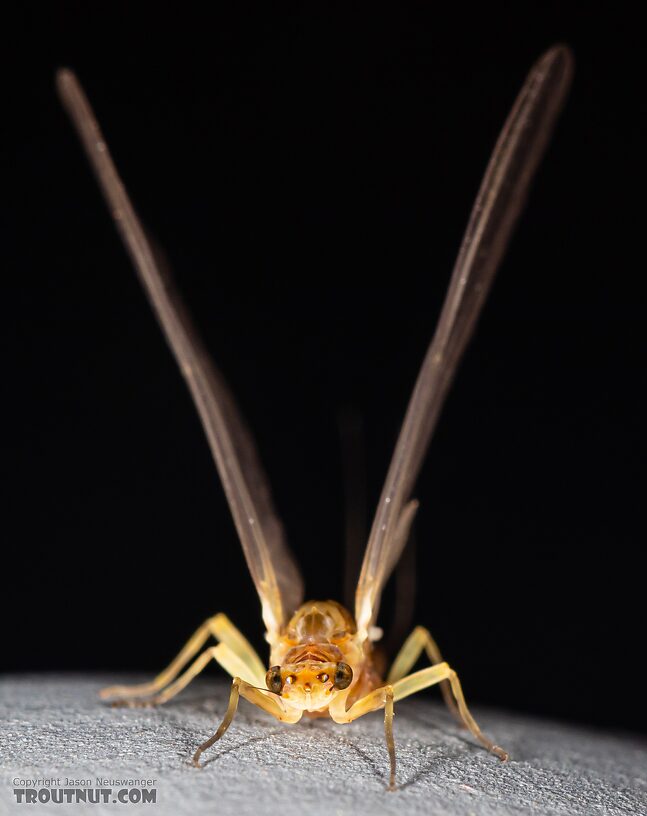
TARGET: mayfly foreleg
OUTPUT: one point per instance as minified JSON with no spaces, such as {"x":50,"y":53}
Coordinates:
{"x":263,"y":699}
{"x":436,"y":674}
{"x":420,"y":639}
{"x":386,"y":695}
{"x":222,"y":629}
{"x":382,"y":697}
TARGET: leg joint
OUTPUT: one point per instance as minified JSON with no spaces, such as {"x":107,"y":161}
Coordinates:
{"x":215,"y":622}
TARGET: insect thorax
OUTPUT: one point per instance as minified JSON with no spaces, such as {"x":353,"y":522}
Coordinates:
{"x":320,"y":638}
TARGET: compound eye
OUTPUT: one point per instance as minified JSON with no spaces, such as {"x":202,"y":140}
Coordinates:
{"x":343,"y":676}
{"x":273,"y":679}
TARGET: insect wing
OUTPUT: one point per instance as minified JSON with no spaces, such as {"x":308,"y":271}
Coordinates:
{"x":498,"y":204}
{"x":272,"y":567}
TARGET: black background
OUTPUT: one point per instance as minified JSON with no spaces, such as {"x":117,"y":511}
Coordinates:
{"x":309,"y":170}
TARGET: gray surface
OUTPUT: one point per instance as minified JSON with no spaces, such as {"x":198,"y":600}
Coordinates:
{"x":54,"y":726}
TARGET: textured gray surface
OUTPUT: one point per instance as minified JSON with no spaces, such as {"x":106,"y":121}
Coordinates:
{"x":54,"y":726}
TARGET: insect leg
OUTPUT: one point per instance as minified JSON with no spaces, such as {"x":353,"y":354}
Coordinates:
{"x":263,"y":699}
{"x":388,"y":734}
{"x":408,"y":655}
{"x":221,"y":653}
{"x":385,"y":696}
{"x":223,"y":630}
{"x":382,"y":697}
{"x":436,"y":674}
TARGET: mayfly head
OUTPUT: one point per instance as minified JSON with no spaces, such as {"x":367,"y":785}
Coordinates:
{"x":309,"y":685}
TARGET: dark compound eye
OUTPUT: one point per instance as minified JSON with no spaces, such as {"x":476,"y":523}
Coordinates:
{"x":273,"y":679}
{"x":343,"y":676}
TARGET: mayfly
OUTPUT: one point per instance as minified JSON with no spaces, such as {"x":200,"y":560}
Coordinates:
{"x":322,"y":658}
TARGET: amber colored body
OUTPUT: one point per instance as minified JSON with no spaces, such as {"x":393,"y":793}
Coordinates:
{"x":320,"y":635}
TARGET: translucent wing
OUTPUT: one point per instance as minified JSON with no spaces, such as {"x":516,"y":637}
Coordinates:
{"x":497,"y":207}
{"x":273,"y":570}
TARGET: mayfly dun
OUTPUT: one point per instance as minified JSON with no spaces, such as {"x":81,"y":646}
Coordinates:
{"x":322,"y":654}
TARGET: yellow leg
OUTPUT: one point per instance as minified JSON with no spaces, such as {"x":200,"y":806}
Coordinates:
{"x":408,"y":655}
{"x":221,"y":653}
{"x":269,"y":702}
{"x":436,"y":674}
{"x":223,"y":630}
{"x":381,"y":697}
{"x":388,"y":734}
{"x":385,"y":696}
